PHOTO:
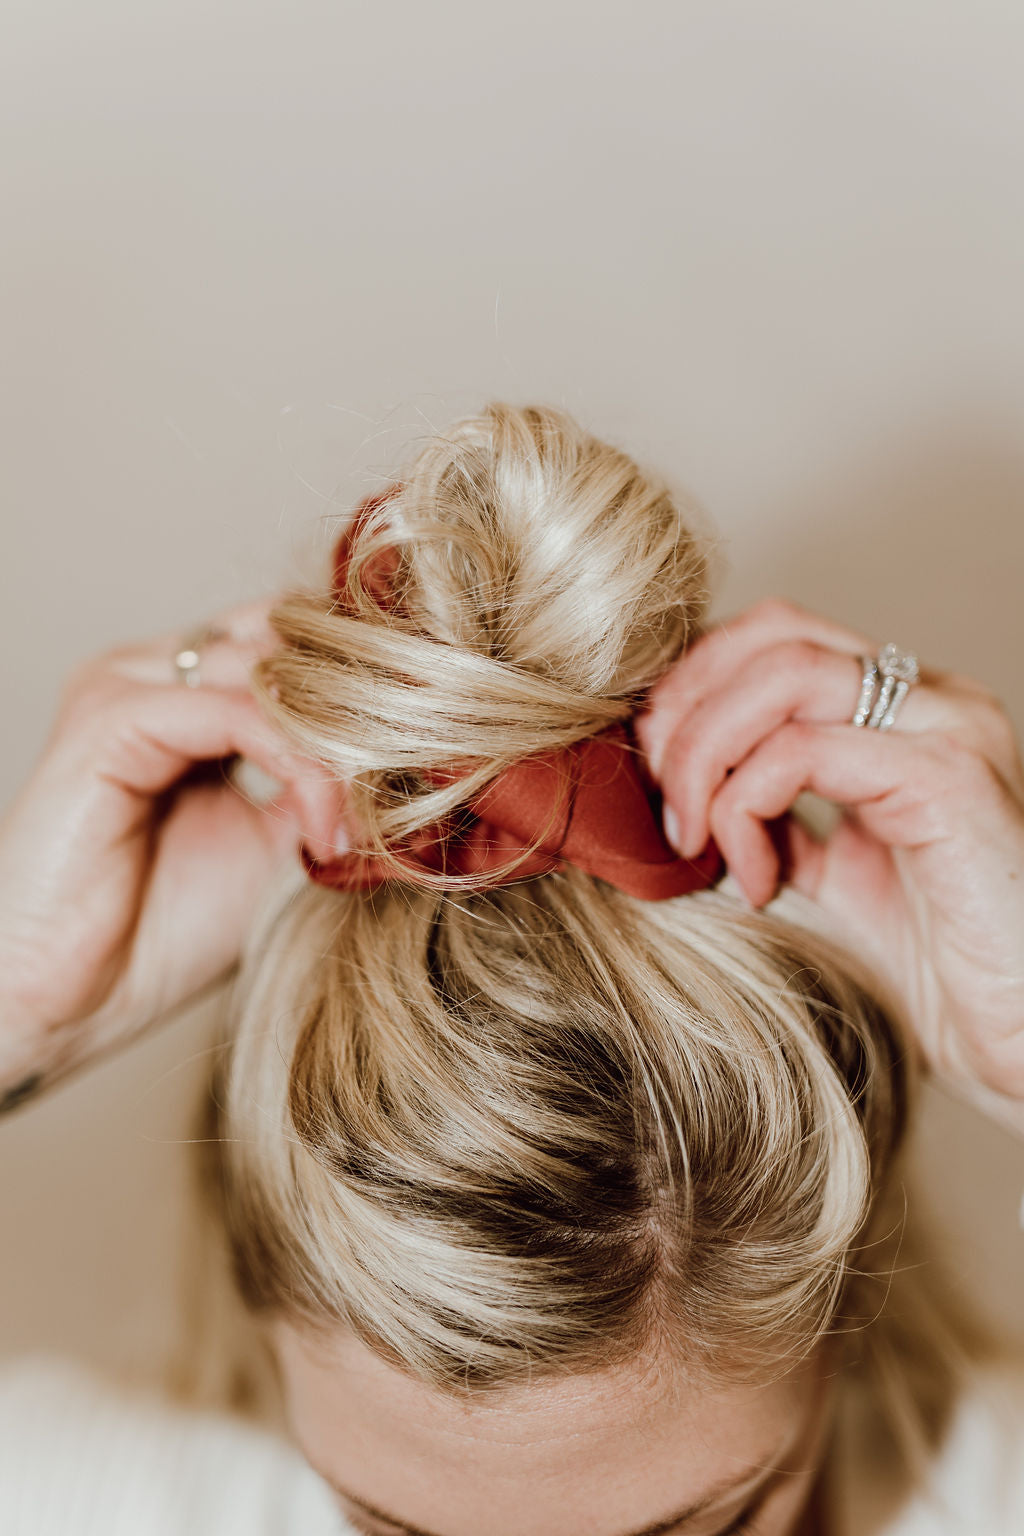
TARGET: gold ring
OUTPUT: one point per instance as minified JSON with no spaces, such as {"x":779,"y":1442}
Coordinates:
{"x":186,"y":661}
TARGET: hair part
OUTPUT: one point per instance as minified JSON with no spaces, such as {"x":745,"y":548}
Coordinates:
{"x":550,"y":1126}
{"x":546,"y":1127}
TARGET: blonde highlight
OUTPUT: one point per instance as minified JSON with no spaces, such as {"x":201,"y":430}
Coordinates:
{"x":546,"y":1127}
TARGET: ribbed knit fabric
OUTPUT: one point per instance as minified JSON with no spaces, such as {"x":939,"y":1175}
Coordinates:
{"x":975,"y":1486}
{"x":80,"y":1456}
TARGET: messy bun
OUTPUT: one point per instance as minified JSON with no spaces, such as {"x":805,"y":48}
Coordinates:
{"x":542,"y":583}
{"x":547,"y":1126}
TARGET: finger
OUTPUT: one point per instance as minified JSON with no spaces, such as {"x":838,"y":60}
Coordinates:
{"x":238,"y":637}
{"x":723,"y":652}
{"x":143,"y":736}
{"x":213,"y":856}
{"x":907,"y":790}
{"x":140,"y":739}
{"x":805,"y":857}
{"x":849,"y":858}
{"x":796,"y":679}
{"x":793,"y":680}
{"x":800,"y":680}
{"x":244,"y":622}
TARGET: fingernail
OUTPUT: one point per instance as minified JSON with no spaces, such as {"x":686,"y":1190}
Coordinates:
{"x":671,"y":823}
{"x":254,"y":782}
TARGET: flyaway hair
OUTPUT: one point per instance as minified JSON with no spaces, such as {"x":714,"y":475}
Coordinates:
{"x":544,"y":1127}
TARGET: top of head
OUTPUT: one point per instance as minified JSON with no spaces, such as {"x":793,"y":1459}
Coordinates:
{"x":536,"y":1125}
{"x":541,"y":583}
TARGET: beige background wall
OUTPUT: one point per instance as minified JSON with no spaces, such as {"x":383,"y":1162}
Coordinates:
{"x":777,"y":250}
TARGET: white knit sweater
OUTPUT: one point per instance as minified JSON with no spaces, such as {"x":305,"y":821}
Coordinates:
{"x":82,"y":1457}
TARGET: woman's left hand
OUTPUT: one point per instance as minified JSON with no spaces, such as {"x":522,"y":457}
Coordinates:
{"x":923,"y":875}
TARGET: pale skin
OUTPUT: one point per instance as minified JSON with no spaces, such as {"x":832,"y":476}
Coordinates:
{"x":637,"y":1451}
{"x":130,"y":870}
{"x":924,"y":873}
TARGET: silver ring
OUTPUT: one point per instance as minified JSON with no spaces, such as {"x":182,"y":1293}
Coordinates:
{"x":186,"y":661}
{"x":869,"y":677}
{"x":898,"y":671}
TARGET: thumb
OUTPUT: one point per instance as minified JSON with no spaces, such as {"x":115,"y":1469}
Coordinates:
{"x":306,"y":808}
{"x":848,"y":871}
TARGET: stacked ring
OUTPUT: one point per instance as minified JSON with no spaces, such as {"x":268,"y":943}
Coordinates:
{"x":898,"y":670}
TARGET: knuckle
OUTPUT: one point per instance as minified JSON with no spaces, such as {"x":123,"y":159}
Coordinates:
{"x":774,"y":610}
{"x":795,"y":655}
{"x":795,"y":736}
{"x":806,"y":652}
{"x":731,"y":799}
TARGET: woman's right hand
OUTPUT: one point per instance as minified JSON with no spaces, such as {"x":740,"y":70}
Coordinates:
{"x":130,"y":864}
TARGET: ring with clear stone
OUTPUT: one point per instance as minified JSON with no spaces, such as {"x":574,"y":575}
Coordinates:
{"x":898,"y":671}
{"x":869,"y":677}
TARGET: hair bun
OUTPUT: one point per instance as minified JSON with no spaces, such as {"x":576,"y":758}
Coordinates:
{"x":517,"y":588}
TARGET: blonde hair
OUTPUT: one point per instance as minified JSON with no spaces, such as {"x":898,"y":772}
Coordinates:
{"x":547,"y":1126}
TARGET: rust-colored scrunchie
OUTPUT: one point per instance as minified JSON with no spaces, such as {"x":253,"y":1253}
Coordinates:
{"x":592,"y":804}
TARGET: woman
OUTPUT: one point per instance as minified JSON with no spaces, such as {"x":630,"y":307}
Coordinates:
{"x":560,"y":1168}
